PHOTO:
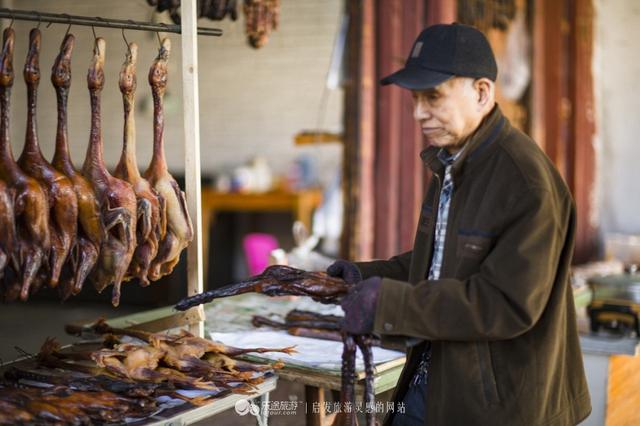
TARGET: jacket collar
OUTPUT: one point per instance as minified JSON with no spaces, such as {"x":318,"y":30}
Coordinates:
{"x":486,"y":133}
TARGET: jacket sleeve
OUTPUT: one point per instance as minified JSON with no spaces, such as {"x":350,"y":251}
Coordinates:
{"x":507,"y":295}
{"x":396,"y":268}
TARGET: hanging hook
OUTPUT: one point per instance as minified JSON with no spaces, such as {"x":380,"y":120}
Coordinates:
{"x":159,"y":41}
{"x":95,"y":38}
{"x":126,"y":42}
{"x":12,"y":19}
{"x":39,"y":19}
{"x":69,"y":27}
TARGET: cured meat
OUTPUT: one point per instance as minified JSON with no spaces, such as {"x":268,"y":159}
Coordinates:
{"x":116,"y":198}
{"x":365,"y":344}
{"x":63,"y":203}
{"x":347,"y":414}
{"x":7,"y":227}
{"x":33,"y":239}
{"x":278,"y":280}
{"x":95,"y":383}
{"x":281,"y":280}
{"x":151,"y":225}
{"x":142,"y":363}
{"x":179,"y":228}
{"x":261,"y":17}
{"x":90,"y":229}
{"x":196,"y":346}
{"x":65,"y":405}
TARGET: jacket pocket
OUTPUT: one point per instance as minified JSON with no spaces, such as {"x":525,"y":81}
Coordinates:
{"x":487,"y":374}
{"x":472,"y":246}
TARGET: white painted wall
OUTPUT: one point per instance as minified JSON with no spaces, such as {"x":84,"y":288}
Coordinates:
{"x":616,"y":68}
{"x":252,"y":101}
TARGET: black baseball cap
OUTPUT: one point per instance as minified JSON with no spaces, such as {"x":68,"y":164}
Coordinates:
{"x":442,"y":51}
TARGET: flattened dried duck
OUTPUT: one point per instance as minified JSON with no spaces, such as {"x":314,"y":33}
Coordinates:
{"x":278,"y":280}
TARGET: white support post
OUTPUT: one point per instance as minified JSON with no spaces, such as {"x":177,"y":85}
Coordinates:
{"x":191,"y":112}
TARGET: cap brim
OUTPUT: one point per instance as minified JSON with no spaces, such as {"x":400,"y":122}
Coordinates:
{"x":416,"y":78}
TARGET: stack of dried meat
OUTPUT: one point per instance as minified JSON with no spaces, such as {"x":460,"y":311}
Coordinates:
{"x":280,"y":280}
{"x":125,"y":377}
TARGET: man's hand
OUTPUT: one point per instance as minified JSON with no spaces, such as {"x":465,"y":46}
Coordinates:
{"x":359,"y":306}
{"x":346,"y":270}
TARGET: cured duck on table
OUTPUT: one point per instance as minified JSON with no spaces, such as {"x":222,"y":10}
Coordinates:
{"x":282,"y":280}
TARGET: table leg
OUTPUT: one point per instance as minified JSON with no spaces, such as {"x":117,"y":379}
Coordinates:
{"x":263,"y":402}
{"x":315,"y":405}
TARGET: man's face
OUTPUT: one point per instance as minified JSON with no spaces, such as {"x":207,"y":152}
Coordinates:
{"x":448,"y":113}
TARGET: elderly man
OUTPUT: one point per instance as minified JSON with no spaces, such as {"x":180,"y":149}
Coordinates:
{"x":483,"y":299}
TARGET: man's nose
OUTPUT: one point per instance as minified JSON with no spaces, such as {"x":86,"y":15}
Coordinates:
{"x":420,"y":110}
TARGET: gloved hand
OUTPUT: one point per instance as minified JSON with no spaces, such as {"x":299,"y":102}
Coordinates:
{"x":346,"y":270}
{"x":360,"y":306}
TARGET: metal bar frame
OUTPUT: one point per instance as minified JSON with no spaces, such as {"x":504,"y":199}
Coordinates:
{"x":128,"y":24}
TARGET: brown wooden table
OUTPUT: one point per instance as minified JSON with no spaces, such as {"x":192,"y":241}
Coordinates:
{"x":316,"y":382}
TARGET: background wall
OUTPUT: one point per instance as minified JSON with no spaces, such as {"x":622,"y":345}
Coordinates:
{"x":616,"y":68}
{"x":252,"y":102}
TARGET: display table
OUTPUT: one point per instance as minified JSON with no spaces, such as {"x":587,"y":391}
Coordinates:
{"x":193,"y":415}
{"x":185,"y":413}
{"x":233,"y":316}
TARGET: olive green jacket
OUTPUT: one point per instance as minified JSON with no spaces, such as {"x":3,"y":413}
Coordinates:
{"x":501,"y":318}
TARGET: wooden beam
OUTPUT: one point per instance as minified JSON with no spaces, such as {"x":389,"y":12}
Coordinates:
{"x":391,"y":57}
{"x":412,"y":182}
{"x":359,"y":131}
{"x":551,"y":105}
{"x":191,"y":114}
{"x":583,"y":128}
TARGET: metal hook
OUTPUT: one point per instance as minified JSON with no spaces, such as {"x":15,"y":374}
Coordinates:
{"x":12,"y":19}
{"x":159,"y":41}
{"x":69,"y":27}
{"x":95,"y":39}
{"x":23,"y":352}
{"x":39,"y":19}
{"x":126,"y":42}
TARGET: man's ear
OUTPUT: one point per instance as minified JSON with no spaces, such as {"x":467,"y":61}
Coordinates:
{"x":484,"y":88}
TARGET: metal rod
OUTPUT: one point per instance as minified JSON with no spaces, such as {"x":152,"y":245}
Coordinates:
{"x":23,"y":15}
